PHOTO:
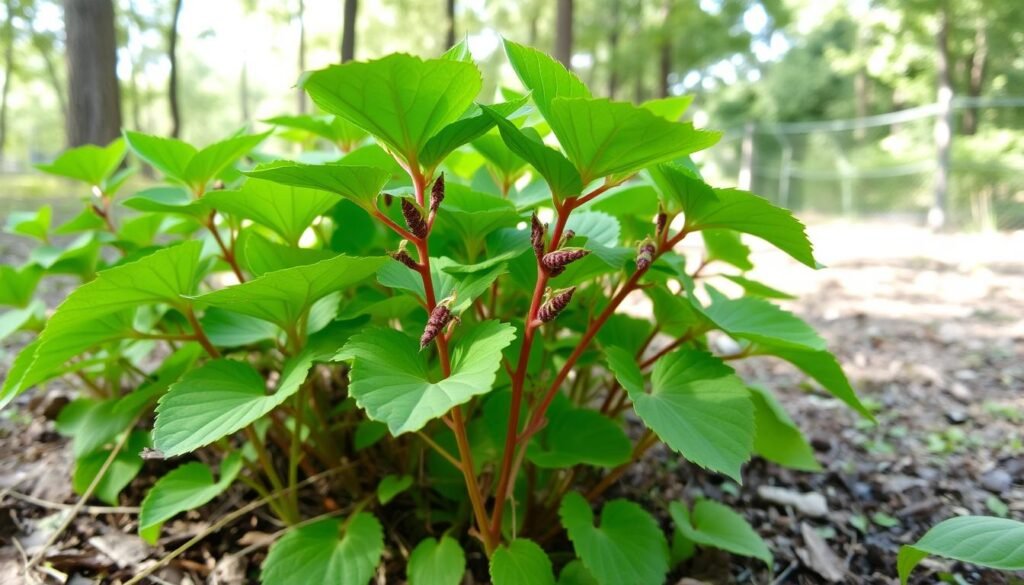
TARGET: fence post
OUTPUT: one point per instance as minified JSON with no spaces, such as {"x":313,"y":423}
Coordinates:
{"x":745,"y":181}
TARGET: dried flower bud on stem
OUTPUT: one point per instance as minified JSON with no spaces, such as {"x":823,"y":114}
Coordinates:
{"x":569,"y":234}
{"x":645,"y":255}
{"x":414,"y":219}
{"x":555,"y":262}
{"x":555,"y":304}
{"x":437,"y":194}
{"x":439,"y":318}
{"x":404,"y":257}
{"x":537,"y":236}
{"x":660,"y":223}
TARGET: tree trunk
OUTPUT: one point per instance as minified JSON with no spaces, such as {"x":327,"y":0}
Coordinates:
{"x":348,"y":32}
{"x":94,"y":97}
{"x":976,"y":77}
{"x":563,"y":33}
{"x":613,"y":51}
{"x":449,"y":39}
{"x":665,"y":52}
{"x":8,"y":37}
{"x":172,"y":85}
{"x":300,"y":97}
{"x":943,"y":122}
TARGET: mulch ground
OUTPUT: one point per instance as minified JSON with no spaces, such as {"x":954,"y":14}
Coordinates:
{"x":929,"y":327}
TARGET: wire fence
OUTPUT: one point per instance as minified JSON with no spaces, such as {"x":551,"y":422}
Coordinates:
{"x":886,"y":165}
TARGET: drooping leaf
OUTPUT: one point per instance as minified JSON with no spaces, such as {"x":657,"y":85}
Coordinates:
{"x":778,"y":439}
{"x":563,"y":179}
{"x":327,"y":551}
{"x":545,"y":77}
{"x":282,"y":297}
{"x":696,"y":405}
{"x":728,"y":247}
{"x":391,"y":381}
{"x":435,"y":562}
{"x":521,"y":562}
{"x":980,"y":540}
{"x":626,"y":547}
{"x":400,"y":99}
{"x":184,"y":488}
{"x":359,"y":184}
{"x":712,"y":524}
{"x":760,"y":321}
{"x":758,"y":289}
{"x":286,"y":210}
{"x":603,"y":138}
{"x":90,"y":164}
{"x":823,"y":367}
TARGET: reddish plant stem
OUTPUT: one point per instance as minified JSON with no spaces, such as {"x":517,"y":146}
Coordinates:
{"x":519,"y":377}
{"x":681,"y":340}
{"x":536,"y":420}
{"x":200,"y":335}
{"x":406,"y":235}
{"x":458,"y":424}
{"x":226,"y":252}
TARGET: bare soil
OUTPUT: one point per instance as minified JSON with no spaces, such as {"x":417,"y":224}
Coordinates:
{"x":929,"y":327}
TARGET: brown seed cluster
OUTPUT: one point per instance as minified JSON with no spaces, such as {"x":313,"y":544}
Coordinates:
{"x":414,"y":219}
{"x":555,"y":304}
{"x":439,"y":318}
{"x":555,"y":262}
{"x":645,"y":255}
{"x":661,"y":223}
{"x":537,"y":236}
{"x":404,"y":257}
{"x":437,"y":194}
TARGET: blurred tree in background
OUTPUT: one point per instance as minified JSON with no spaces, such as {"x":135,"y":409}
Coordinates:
{"x":201,"y":69}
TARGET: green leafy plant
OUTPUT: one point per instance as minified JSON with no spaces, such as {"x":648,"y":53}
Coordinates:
{"x":397,"y":338}
{"x":982,"y":540}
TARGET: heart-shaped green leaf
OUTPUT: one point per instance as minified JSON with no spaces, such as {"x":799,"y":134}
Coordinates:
{"x":90,"y":164}
{"x":696,"y":405}
{"x":603,"y":138}
{"x":287,"y":210}
{"x":391,"y":381}
{"x":778,"y":439}
{"x":981,"y":540}
{"x":712,"y":524}
{"x":327,"y":551}
{"x":400,"y":99}
{"x":625,"y":548}
{"x":521,"y":562}
{"x":435,"y":562}
{"x":183,"y":488}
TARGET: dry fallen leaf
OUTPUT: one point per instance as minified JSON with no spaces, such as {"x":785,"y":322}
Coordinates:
{"x":819,"y":557}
